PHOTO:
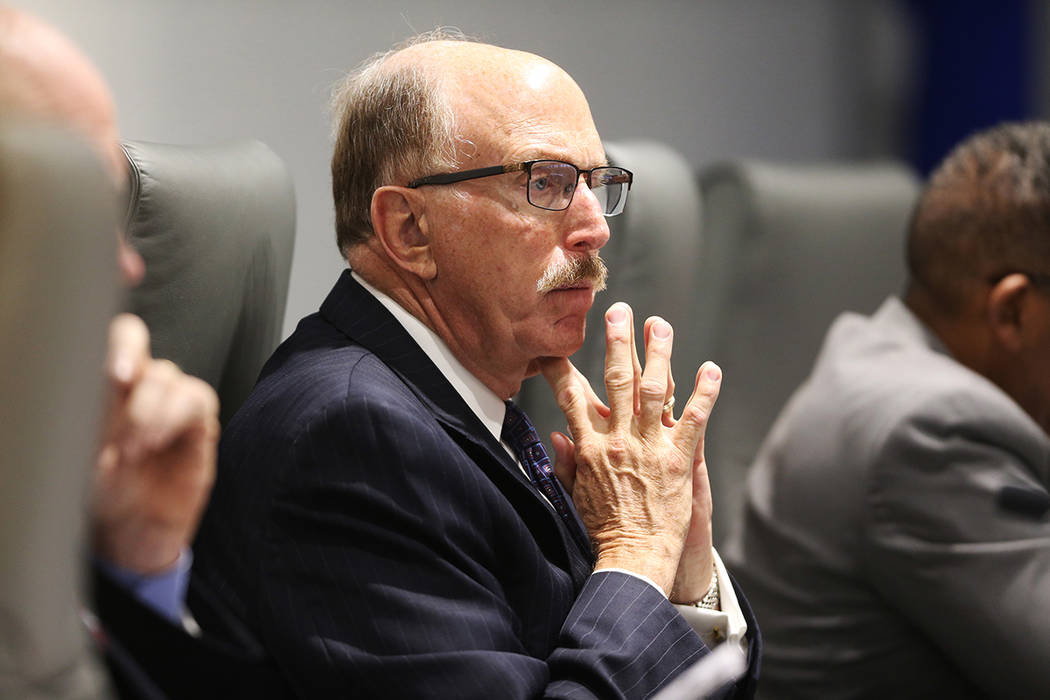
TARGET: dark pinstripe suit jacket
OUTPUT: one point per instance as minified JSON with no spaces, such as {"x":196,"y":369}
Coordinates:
{"x":381,"y":543}
{"x":149,"y":658}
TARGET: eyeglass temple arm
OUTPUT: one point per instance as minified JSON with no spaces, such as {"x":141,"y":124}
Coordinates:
{"x":449,"y":178}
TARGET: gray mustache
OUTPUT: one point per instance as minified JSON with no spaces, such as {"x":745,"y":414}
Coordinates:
{"x":589,"y":268}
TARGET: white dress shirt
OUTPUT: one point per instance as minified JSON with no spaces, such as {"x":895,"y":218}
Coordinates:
{"x":713,"y":626}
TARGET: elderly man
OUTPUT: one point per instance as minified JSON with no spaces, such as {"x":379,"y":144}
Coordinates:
{"x":156,"y":460}
{"x":384,"y":518}
{"x":895,"y":541}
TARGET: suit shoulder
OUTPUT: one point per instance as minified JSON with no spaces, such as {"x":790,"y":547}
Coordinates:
{"x":315,"y":371}
{"x":878,"y":380}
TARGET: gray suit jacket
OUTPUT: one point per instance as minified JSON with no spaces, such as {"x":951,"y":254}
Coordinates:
{"x":873,"y":548}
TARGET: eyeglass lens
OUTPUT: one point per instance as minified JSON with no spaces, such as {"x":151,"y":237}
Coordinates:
{"x":552,"y":184}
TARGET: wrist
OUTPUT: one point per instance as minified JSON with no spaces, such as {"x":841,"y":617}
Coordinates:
{"x":695,"y":576}
{"x":144,"y":550}
{"x":711,"y":599}
{"x":644,"y":561}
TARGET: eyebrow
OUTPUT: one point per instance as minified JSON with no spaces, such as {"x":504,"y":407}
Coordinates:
{"x":526,"y":156}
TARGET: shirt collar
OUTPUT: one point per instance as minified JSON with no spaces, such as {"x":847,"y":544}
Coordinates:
{"x":484,"y":402}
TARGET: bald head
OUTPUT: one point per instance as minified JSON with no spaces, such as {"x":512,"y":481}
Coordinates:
{"x":44,"y":78}
{"x":439,"y":103}
{"x":495,"y":93}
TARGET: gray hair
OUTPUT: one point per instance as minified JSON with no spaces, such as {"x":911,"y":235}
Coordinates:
{"x":389,"y":125}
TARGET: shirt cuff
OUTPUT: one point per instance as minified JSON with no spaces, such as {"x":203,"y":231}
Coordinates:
{"x":717,"y":626}
{"x":713,"y":626}
{"x":164,"y":592}
{"x":636,"y":575}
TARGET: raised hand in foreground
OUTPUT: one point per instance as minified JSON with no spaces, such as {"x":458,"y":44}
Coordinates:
{"x":156,"y":462}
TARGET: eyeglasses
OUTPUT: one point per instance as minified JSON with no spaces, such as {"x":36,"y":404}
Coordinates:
{"x":552,"y":183}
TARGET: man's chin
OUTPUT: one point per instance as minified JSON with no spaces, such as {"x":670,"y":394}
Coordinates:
{"x":536,"y":366}
{"x":557,"y":351}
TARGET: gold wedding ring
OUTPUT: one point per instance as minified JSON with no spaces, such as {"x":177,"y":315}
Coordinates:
{"x":669,"y":405}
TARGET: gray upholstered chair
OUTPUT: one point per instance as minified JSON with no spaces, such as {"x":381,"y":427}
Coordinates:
{"x":651,"y":256}
{"x":58,"y":290}
{"x":786,"y":249}
{"x":215,"y":226}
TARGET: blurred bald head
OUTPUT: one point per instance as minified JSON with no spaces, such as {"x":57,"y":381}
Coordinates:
{"x":45,"y":78}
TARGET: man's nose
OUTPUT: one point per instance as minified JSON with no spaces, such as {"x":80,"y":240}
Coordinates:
{"x":588,"y":229}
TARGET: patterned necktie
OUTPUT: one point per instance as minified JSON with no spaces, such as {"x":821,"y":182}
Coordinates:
{"x":523,"y":439}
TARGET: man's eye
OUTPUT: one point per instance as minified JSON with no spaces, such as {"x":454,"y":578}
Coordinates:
{"x":539,"y":184}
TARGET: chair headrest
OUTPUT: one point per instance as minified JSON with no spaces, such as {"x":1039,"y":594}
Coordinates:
{"x":215,"y":226}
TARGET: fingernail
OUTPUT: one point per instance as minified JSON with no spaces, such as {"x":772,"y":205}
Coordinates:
{"x":617,"y":315}
{"x":662,"y":330}
{"x":713,"y":372}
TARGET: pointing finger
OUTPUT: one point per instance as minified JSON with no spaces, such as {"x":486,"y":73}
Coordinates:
{"x":596,"y":403}
{"x":620,"y":382}
{"x":128,"y":349}
{"x":569,"y":393}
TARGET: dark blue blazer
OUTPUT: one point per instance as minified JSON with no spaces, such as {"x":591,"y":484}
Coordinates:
{"x":381,"y":543}
{"x":149,"y":658}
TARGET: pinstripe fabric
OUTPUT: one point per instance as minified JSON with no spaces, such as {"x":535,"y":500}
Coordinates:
{"x":380,"y":543}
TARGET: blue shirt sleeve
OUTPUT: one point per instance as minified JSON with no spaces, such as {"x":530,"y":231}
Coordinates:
{"x":164,"y":592}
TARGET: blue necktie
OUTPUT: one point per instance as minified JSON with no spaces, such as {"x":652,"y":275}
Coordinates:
{"x":519,"y":433}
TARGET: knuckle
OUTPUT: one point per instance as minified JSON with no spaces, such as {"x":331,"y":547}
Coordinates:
{"x":695,"y":415}
{"x":617,"y":448}
{"x":652,"y":389}
{"x":587,"y":452}
{"x":164,"y":369}
{"x":567,"y":396}
{"x":206,"y":396}
{"x":618,"y":377}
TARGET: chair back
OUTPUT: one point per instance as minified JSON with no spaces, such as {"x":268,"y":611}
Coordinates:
{"x":215,"y":226}
{"x":786,"y":249}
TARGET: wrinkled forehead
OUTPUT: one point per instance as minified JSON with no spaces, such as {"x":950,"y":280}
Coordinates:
{"x":512,"y":105}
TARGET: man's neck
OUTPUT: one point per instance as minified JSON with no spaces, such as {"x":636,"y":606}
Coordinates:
{"x":955,"y":328}
{"x":411,"y":295}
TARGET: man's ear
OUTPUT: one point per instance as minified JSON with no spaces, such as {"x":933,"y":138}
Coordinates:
{"x":399,"y":223}
{"x":1007,"y":303}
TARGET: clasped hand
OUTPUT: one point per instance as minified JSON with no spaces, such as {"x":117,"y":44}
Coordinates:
{"x":156,"y":461}
{"x":636,"y":475}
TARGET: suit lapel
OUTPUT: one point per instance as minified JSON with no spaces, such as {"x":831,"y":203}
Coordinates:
{"x":362,"y":318}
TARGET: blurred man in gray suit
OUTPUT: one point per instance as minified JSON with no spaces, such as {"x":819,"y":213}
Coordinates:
{"x":156,"y":455}
{"x":895,"y":542}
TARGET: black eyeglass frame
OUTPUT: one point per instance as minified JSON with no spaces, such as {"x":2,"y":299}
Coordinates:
{"x":462,"y":175}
